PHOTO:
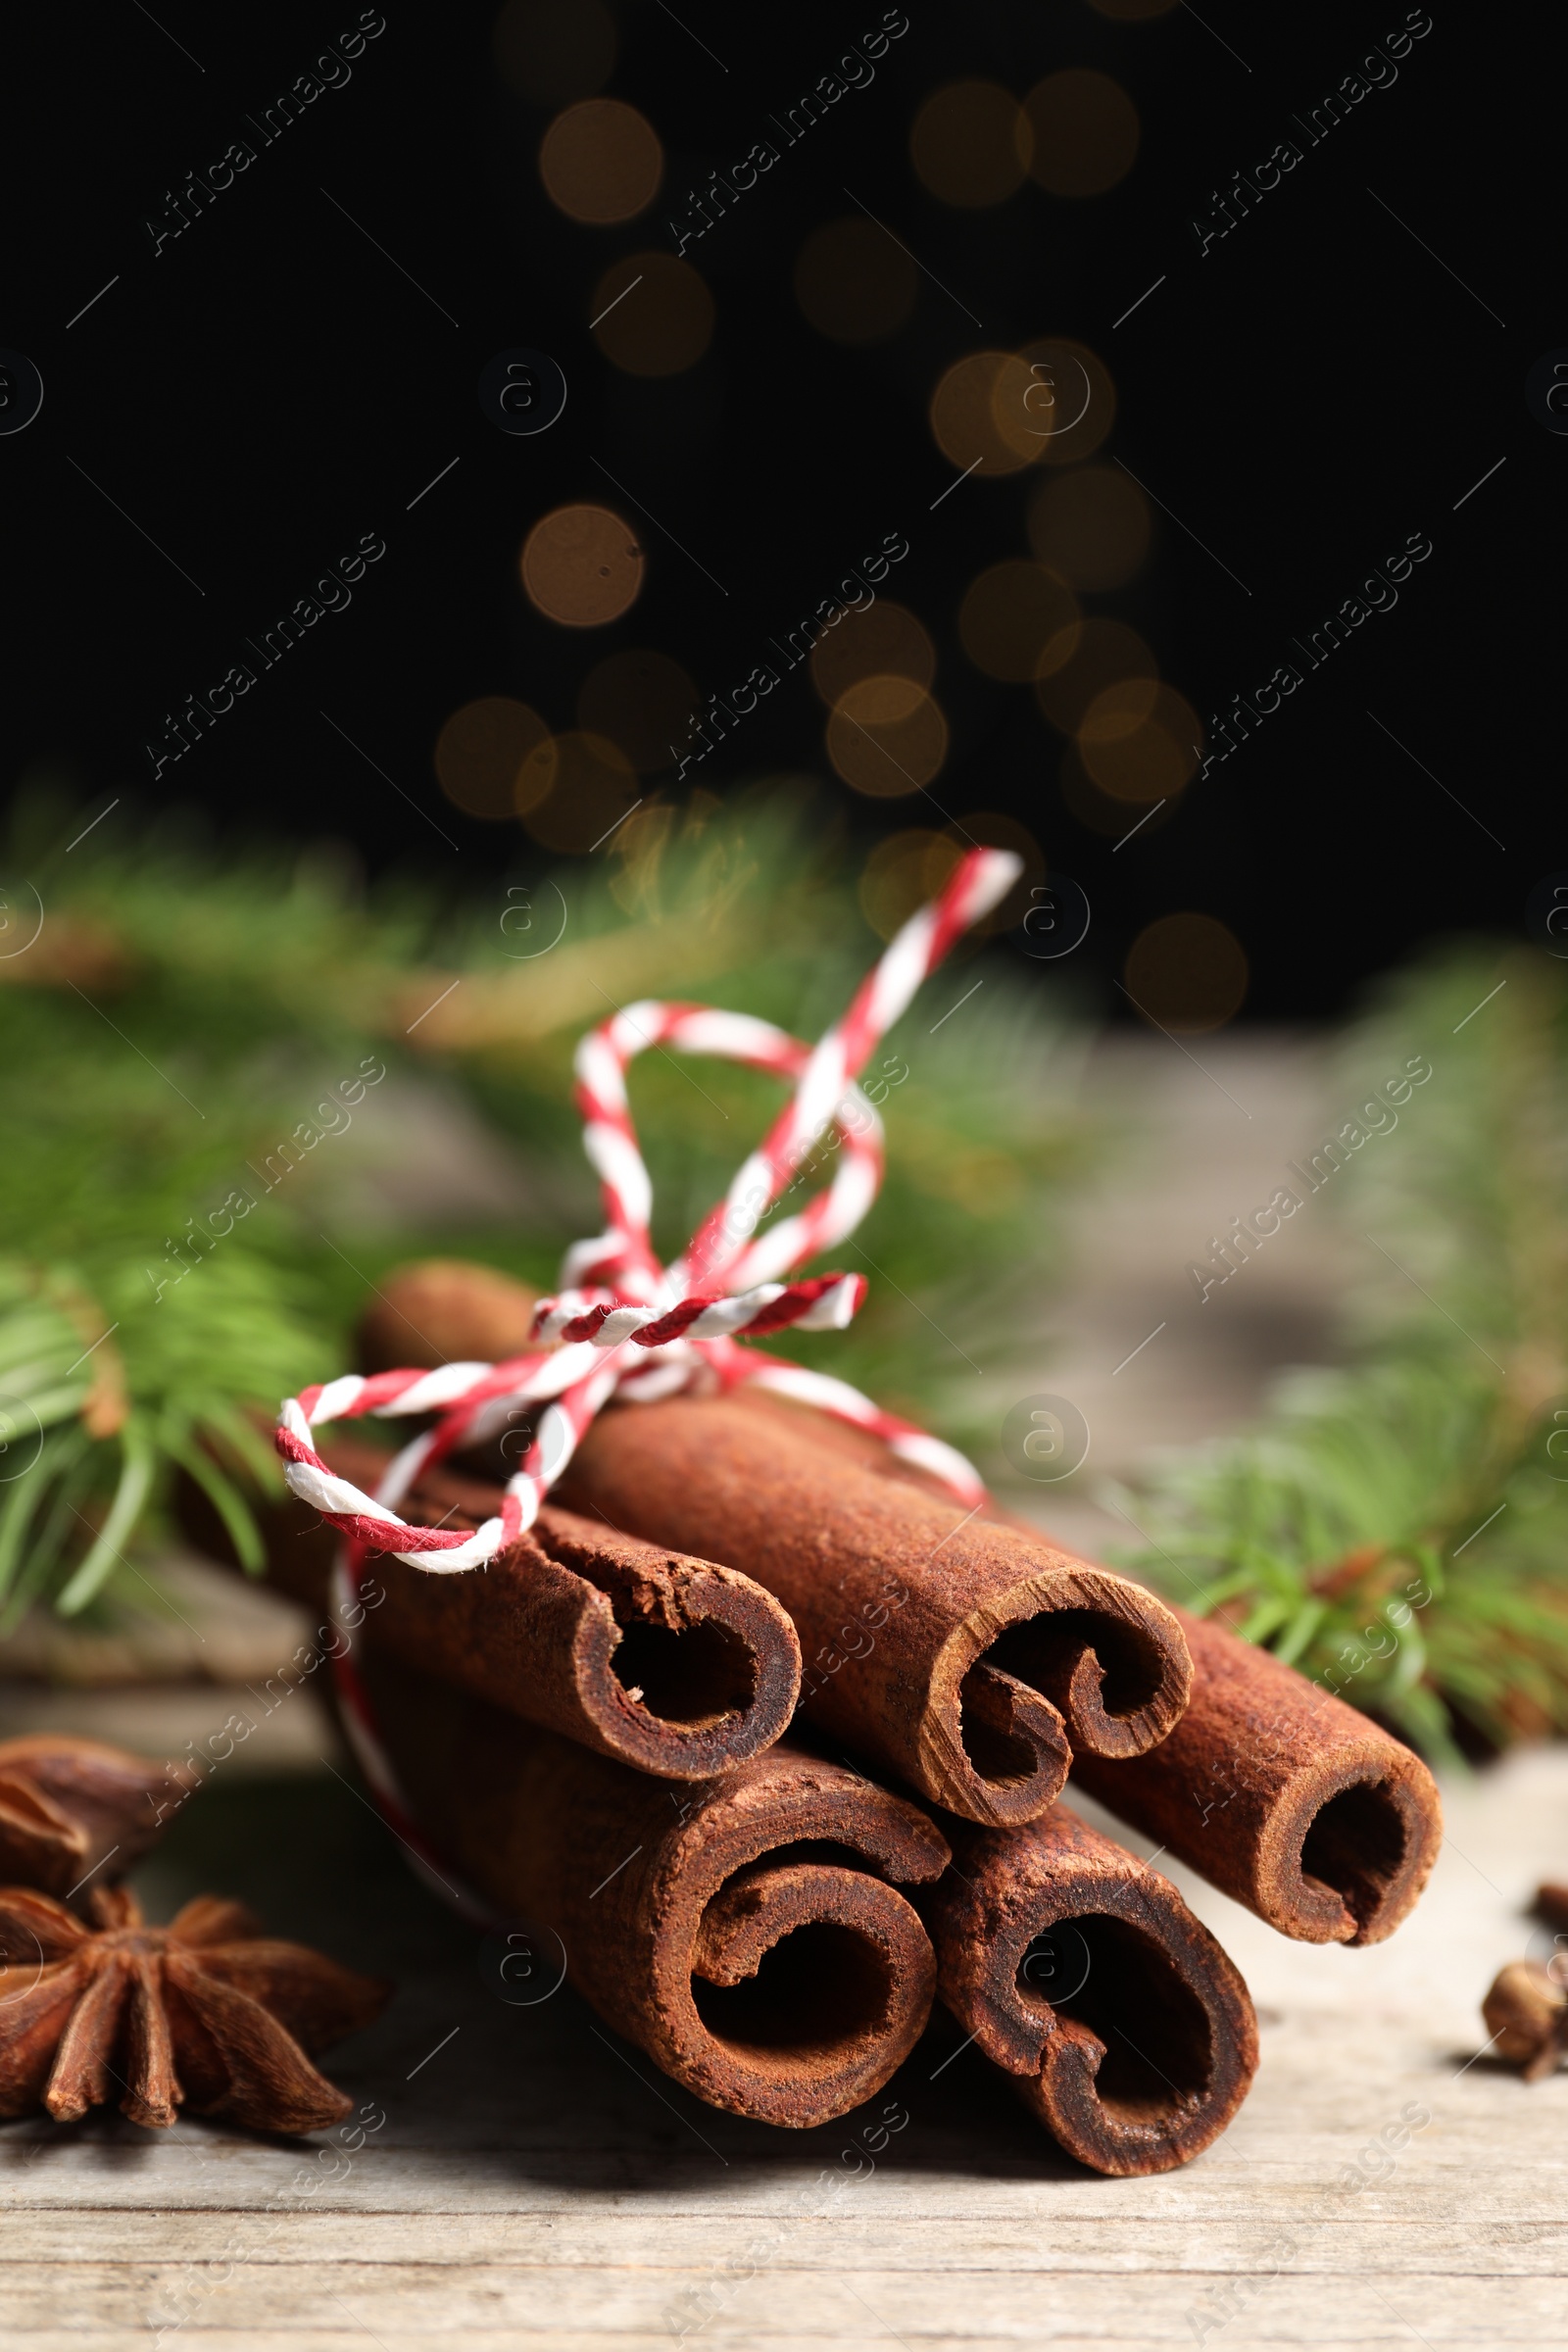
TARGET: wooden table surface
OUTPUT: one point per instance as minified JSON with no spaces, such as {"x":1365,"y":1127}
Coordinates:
{"x":535,"y":2184}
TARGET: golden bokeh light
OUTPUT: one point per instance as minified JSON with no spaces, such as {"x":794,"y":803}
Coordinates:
{"x":886,"y":736}
{"x":990,"y":829}
{"x":663,"y":317}
{"x":640,"y":702}
{"x":908,"y":869}
{"x":884,"y":639}
{"x":1187,"y":971}
{"x":1068,"y":404}
{"x":1084,"y":130}
{"x":1091,"y":526}
{"x":970,"y":144}
{"x":1079,"y":665}
{"x":601,"y":162}
{"x":895,"y":881}
{"x":495,"y":757}
{"x":553,"y":51}
{"x":1100,"y":811}
{"x":1141,"y":741}
{"x":1118,"y":711}
{"x":582,"y":566}
{"x":1012,"y":613}
{"x":594,"y":788}
{"x":852,"y":283}
{"x":979,"y":415}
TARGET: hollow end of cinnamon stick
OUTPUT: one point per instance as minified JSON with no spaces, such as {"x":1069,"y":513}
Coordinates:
{"x":1082,"y":1973}
{"x":969,"y":1658}
{"x":1283,"y":1796}
{"x":681,"y":1666}
{"x":674,"y":1665}
{"x":1013,"y":1654}
{"x":748,"y":1931}
{"x":1069,"y":1660}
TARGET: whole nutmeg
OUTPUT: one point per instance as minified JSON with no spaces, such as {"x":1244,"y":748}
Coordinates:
{"x":1527,"y":2014}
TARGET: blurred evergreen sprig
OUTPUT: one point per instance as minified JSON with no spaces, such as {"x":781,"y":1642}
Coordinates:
{"x":1399,"y":1528}
{"x":187,"y":1004}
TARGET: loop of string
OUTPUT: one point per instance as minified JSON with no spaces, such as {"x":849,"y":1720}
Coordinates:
{"x":625,"y":1326}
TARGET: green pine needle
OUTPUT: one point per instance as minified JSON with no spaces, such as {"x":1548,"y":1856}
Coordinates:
{"x":179,"y":1043}
{"x":1399,"y":1530}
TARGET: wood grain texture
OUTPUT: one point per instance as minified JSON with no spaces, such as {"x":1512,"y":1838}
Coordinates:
{"x":537,"y":2185}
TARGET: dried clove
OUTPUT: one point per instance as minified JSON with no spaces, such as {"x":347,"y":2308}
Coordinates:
{"x":1551,"y":1904}
{"x":1526,"y":2013}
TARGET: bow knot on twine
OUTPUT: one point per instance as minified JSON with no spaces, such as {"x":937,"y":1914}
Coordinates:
{"x":624,"y":1325}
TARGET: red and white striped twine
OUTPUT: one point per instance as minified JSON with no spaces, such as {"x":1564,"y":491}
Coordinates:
{"x":625,"y":1325}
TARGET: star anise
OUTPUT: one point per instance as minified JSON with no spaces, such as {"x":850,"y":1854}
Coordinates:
{"x":207,"y":2014}
{"x":69,"y":1806}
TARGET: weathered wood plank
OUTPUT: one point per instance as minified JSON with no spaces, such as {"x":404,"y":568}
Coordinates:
{"x":848,"y":2305}
{"x":687,"y":2243}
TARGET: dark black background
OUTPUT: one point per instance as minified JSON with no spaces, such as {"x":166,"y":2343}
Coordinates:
{"x":1304,"y":397}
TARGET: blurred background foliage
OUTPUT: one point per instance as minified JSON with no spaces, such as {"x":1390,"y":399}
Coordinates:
{"x":245,"y":1085}
{"x":1398,"y":1528}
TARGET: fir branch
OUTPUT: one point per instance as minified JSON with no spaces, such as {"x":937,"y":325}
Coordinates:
{"x":1399,"y":1530}
{"x":186,"y":1002}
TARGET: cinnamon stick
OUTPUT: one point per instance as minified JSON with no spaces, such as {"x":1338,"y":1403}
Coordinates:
{"x":742,"y":1930}
{"x":443,"y":1310}
{"x":1082,"y":1973}
{"x":896,"y":1600}
{"x":969,"y":1659}
{"x":1282,"y":1795}
{"x":669,"y":1663}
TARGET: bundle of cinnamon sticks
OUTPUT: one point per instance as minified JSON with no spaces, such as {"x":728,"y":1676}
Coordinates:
{"x":591,"y":1731}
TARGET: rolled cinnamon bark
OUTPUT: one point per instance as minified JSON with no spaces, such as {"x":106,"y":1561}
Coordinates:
{"x":671,"y":1664}
{"x":444,"y":1311}
{"x":1283,"y":1796}
{"x":1082,"y":1973}
{"x":741,"y":1929}
{"x":969,"y":1658}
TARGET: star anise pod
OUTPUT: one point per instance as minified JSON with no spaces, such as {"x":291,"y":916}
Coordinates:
{"x":69,"y":1806}
{"x":207,"y":2014}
